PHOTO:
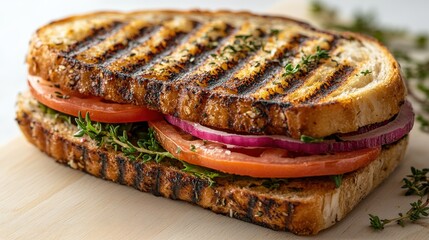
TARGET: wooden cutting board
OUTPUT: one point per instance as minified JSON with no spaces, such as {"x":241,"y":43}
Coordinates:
{"x":40,"y":199}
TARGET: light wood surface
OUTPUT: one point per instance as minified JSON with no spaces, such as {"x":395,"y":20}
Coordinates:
{"x":40,"y":199}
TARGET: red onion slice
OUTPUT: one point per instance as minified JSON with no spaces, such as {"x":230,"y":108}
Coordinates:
{"x":388,"y":133}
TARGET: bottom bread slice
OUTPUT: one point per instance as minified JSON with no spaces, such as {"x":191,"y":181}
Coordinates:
{"x":302,"y":206}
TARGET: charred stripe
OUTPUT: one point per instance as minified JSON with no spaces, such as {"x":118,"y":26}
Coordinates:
{"x":176,"y":185}
{"x":274,"y":66}
{"x":120,"y":162}
{"x":104,"y":164}
{"x":202,"y":57}
{"x":290,"y":212}
{"x":138,"y":178}
{"x":153,"y":91}
{"x":119,"y":50}
{"x":96,"y":36}
{"x":197,"y":186}
{"x":333,"y":82}
{"x":172,"y":44}
{"x":300,"y":78}
{"x":251,"y":206}
{"x":156,"y":184}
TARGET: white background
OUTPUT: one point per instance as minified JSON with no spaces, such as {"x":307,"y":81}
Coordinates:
{"x":20,"y":18}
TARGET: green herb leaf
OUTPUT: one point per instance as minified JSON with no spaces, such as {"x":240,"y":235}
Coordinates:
{"x":308,"y":139}
{"x":274,"y":32}
{"x":290,"y":69}
{"x":273,"y":183}
{"x":338,"y":179}
{"x":308,"y":61}
{"x":55,"y":114}
{"x":202,"y":172}
{"x":366,"y":72}
{"x":417,"y":183}
{"x":122,"y":137}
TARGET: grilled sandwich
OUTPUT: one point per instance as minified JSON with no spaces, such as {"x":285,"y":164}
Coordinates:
{"x":220,"y":78}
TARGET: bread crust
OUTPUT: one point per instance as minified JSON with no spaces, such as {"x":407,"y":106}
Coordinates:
{"x":302,"y":206}
{"x":356,"y":100}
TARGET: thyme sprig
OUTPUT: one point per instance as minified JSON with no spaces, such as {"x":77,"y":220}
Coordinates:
{"x":416,"y":184}
{"x":290,"y":69}
{"x":314,"y":59}
{"x":54,"y":113}
{"x":138,"y":143}
{"x":117,"y":136}
{"x":203,"y":173}
{"x":338,"y":180}
{"x":307,"y":61}
{"x":242,"y":44}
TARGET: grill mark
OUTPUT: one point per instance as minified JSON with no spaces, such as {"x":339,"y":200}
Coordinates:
{"x":138,"y":179}
{"x":333,"y":82}
{"x":176,"y":185}
{"x":202,"y":57}
{"x":197,"y":186}
{"x":95,"y":37}
{"x":171,"y":44}
{"x":83,"y":157}
{"x":290,"y":212}
{"x":267,"y":205}
{"x":121,"y":50}
{"x":250,"y":206}
{"x":225,"y":75}
{"x":273,"y":67}
{"x":120,"y":162}
{"x":221,"y":78}
{"x":103,"y":169}
{"x":156,"y":185}
{"x":153,"y":91}
{"x":299,"y":80}
{"x":260,"y":80}
{"x":206,"y":79}
{"x":84,"y":152}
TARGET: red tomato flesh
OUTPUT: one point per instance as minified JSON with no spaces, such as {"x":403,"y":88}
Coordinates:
{"x":260,"y":162}
{"x":98,"y":109}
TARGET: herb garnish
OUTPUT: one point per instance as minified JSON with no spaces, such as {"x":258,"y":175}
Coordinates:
{"x":416,"y":184}
{"x":366,"y":72}
{"x":136,"y":143}
{"x":307,"y":61}
{"x":274,"y":32}
{"x":338,"y":179}
{"x":273,"y":183}
{"x":242,"y":44}
{"x":117,"y":137}
{"x":314,"y":59}
{"x":290,"y":69}
{"x":54,"y":113}
{"x":202,"y":172}
{"x":308,"y":139}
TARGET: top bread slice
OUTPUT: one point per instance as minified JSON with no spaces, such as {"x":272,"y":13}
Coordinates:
{"x":226,"y":70}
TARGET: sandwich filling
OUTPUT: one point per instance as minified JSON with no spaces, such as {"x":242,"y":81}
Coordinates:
{"x":233,"y":153}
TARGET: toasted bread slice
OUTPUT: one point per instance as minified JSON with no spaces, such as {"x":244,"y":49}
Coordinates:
{"x":226,"y":70}
{"x":303,"y":206}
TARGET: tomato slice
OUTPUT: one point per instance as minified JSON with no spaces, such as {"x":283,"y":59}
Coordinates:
{"x":257,"y":162}
{"x":98,"y":109}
